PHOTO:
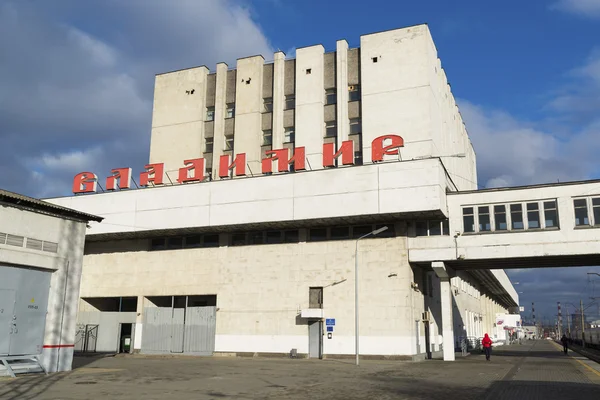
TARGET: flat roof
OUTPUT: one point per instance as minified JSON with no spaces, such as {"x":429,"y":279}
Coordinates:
{"x":523,"y":187}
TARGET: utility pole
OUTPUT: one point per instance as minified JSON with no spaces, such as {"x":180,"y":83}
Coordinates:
{"x":582,"y":324}
{"x":559,"y":320}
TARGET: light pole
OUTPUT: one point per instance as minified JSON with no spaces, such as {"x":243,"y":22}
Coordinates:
{"x":375,"y":232}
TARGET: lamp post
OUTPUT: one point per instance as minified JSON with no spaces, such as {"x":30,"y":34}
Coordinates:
{"x":374,"y":233}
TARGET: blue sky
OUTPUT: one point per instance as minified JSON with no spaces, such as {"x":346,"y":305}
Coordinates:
{"x":76,"y":82}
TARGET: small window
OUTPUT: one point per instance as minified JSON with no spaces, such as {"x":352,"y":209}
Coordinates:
{"x":500,"y":217}
{"x":330,"y":129}
{"x":192,"y":241}
{"x":228,"y":142}
{"x":288,"y":135}
{"x":308,"y":71}
{"x":374,"y":59}
{"x":484,"y":219}
{"x":550,"y":214}
{"x":435,"y":228}
{"x":238,"y":239}
{"x":211,"y":240}
{"x":353,"y":92}
{"x":268,"y":104}
{"x":230,"y":110}
{"x":340,"y":233}
{"x":355,"y":126}
{"x":210,"y":113}
{"x":290,"y":102}
{"x":208,"y":145}
{"x":330,"y":96}
{"x":158,"y":244}
{"x":273,"y":237}
{"x":291,"y":236}
{"x":388,"y":233}
{"x":468,"y":219}
{"x":421,"y":228}
{"x":533,"y":216}
{"x":516,"y":217}
{"x":596,"y":209}
{"x":359,"y":231}
{"x":445,"y":227}
{"x":175,"y":243}
{"x":256,"y":238}
{"x":317,"y":234}
{"x":581,"y":212}
{"x":267,"y":137}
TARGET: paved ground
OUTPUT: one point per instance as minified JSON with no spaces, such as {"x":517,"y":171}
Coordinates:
{"x":534,"y":370}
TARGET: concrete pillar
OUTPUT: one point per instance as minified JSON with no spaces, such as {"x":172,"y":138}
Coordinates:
{"x":219,"y":129}
{"x":139,"y":318}
{"x":278,"y":99}
{"x":343,"y":124}
{"x":443,"y":273}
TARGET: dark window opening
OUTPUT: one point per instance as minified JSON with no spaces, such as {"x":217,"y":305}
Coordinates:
{"x":238,"y":239}
{"x":273,"y":237}
{"x":256,"y":238}
{"x":317,"y":234}
{"x":468,"y":220}
{"x":500,"y":217}
{"x":192,"y":241}
{"x":340,"y":233}
{"x":533,"y":216}
{"x":158,"y":244}
{"x":291,"y":236}
{"x":516,"y":216}
{"x":315,"y":297}
{"x":211,"y":240}
{"x":174,"y":243}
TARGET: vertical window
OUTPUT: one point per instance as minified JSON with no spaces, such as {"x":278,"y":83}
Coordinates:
{"x":267,"y":137}
{"x":228,"y":142}
{"x":596,"y":210}
{"x":550,"y":214}
{"x":208,"y":145}
{"x":516,"y":216}
{"x":230,"y":110}
{"x":290,"y":102}
{"x":445,"y":227}
{"x":435,"y":228}
{"x":330,"y":129}
{"x":315,"y":297}
{"x":353,"y":92}
{"x":468,"y":219}
{"x":533,"y":216}
{"x":421,"y":228}
{"x":485,"y":224}
{"x":288,"y":135}
{"x":330,"y":96}
{"x":268,"y":104}
{"x":210,"y":113}
{"x":500,"y":217}
{"x":581,"y":212}
{"x":355,"y":126}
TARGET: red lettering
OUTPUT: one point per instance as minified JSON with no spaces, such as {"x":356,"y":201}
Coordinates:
{"x":85,"y":182}
{"x":238,"y":165}
{"x":192,"y":172}
{"x":346,"y":151}
{"x":378,"y":150}
{"x":153,"y":174}
{"x":283,"y":163}
{"x":123,"y":175}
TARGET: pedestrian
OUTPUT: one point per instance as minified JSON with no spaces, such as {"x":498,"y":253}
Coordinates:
{"x":487,"y":346}
{"x":565,"y":343}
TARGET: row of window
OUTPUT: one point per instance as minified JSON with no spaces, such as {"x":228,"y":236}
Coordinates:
{"x":432,"y":228}
{"x":511,"y":217}
{"x":267,"y":237}
{"x":587,"y":211}
{"x":465,"y":287}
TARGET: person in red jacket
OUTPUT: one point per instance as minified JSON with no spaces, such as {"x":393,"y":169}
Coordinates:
{"x":487,"y":346}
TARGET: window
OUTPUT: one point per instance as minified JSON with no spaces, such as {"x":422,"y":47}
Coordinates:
{"x":192,"y":241}
{"x":273,"y":237}
{"x":256,"y":238}
{"x":230,"y":113}
{"x":174,"y":243}
{"x":581,"y":212}
{"x":228,"y":142}
{"x":340,"y":233}
{"x":158,"y":244}
{"x":516,"y":216}
{"x":421,"y":228}
{"x":330,"y":129}
{"x":435,"y":228}
{"x":210,"y":240}
{"x":315,"y":297}
{"x":445,"y":227}
{"x":550,"y":214}
{"x":484,"y":219}
{"x":317,"y":234}
{"x":288,"y":135}
{"x":267,"y":137}
{"x":330,"y":96}
{"x":355,"y":126}
{"x":596,"y":209}
{"x":290,"y":102}
{"x":533,"y":216}
{"x":353,"y":92}
{"x":358,"y":231}
{"x":500,"y":217}
{"x":468,"y":219}
{"x":208,"y":145}
{"x":238,"y":239}
{"x":210,"y":113}
{"x":291,"y":236}
{"x":268,"y":104}
{"x":388,"y":233}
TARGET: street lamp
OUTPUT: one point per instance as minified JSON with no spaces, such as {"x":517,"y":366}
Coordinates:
{"x":374,"y":233}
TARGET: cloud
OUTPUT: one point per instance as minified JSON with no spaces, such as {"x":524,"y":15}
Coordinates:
{"x":77,"y":79}
{"x":587,"y":8}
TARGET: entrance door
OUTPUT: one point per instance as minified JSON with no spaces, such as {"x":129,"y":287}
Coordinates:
{"x":177,"y":329}
{"x":315,"y":339}
{"x":7,"y":306}
{"x":200,"y":326}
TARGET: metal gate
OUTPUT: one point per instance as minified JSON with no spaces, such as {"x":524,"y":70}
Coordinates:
{"x":177,"y":330}
{"x":86,"y":338}
{"x":200,"y":323}
{"x":156,"y":336}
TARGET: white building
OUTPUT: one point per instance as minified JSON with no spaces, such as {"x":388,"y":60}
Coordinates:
{"x":41,"y":252}
{"x":235,"y":254}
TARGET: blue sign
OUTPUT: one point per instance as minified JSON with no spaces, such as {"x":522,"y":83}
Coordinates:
{"x":330,"y":321}
{"x":330,"y":329}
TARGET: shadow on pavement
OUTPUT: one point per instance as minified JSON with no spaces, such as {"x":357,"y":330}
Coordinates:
{"x":82,"y":360}
{"x":532,"y":390}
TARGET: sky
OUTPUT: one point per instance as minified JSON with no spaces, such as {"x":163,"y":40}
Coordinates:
{"x":76,"y":84}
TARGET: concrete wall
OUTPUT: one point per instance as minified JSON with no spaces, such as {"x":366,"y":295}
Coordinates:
{"x":65,"y":266}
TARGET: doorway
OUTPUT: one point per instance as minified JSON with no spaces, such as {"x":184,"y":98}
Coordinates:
{"x":125,"y":338}
{"x":315,"y":339}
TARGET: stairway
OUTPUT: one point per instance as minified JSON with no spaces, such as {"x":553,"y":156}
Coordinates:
{"x":15,"y":365}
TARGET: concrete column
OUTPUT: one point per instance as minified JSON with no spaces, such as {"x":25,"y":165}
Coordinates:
{"x":139,"y":318}
{"x":343,"y":127}
{"x":219,"y":130}
{"x":278,"y":99}
{"x":443,"y":273}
